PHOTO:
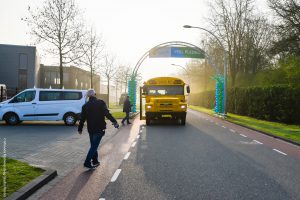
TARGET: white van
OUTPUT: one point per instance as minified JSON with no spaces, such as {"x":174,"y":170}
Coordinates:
{"x":43,"y":105}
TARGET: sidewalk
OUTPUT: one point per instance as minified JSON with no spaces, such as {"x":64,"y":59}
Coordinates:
{"x":80,"y":183}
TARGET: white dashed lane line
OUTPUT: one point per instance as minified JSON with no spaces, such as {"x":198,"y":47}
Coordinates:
{"x":223,"y":126}
{"x":280,"y":152}
{"x":232,"y":130}
{"x":258,"y":142}
{"x":133,"y":144}
{"x":137,"y":137}
{"x":115,"y":176}
{"x":101,"y":199}
{"x":243,"y":135}
{"x":217,"y":124}
{"x":127,"y":155}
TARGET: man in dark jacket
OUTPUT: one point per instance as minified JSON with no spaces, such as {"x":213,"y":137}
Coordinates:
{"x":94,"y":112}
{"x":127,"y":110}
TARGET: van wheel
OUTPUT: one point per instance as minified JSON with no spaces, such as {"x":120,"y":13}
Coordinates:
{"x":70,"y":119}
{"x":11,"y":119}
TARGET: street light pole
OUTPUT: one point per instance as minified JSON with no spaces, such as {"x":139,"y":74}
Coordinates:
{"x":225,"y":62}
{"x":187,"y":73}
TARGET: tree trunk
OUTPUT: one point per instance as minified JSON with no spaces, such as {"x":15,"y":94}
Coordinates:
{"x":108,"y":93}
{"x":61,"y":72}
{"x":116,"y":93}
{"x":92,"y":86}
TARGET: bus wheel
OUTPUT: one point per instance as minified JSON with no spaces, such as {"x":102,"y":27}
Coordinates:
{"x":147,"y":121}
{"x":182,"y":121}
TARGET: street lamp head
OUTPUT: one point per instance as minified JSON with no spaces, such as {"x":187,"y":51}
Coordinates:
{"x":187,"y":26}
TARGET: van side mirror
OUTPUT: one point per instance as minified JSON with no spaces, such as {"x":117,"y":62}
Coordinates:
{"x":188,"y":90}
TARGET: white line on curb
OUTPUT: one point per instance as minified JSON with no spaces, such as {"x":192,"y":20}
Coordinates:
{"x":280,"y":152}
{"x":243,"y":135}
{"x":115,"y":176}
{"x":133,"y":144}
{"x":258,"y":142}
{"x":127,"y":155}
{"x":137,"y":137}
{"x":232,"y":130}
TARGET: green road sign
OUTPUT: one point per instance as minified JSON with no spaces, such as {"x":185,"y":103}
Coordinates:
{"x":176,"y":52}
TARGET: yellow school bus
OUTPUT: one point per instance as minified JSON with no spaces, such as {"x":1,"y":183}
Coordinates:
{"x":165,"y":99}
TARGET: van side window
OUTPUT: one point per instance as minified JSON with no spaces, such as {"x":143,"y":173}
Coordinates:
{"x":50,"y":96}
{"x":72,"y":95}
{"x":24,"y":97}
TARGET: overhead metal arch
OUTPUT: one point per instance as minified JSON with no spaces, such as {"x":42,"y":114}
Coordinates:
{"x":166,"y":44}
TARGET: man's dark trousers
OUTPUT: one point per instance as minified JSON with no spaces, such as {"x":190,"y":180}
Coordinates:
{"x":95,"y":139}
{"x":126,"y":118}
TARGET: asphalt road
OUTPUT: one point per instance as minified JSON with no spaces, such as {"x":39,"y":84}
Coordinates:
{"x":206,"y":159}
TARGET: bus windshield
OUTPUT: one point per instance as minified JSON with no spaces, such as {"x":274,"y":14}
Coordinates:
{"x":165,"y":90}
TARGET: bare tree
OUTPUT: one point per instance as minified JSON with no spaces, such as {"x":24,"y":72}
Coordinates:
{"x":109,"y":71}
{"x":58,"y":23}
{"x":245,"y":35}
{"x":93,"y":47}
{"x":126,"y":75}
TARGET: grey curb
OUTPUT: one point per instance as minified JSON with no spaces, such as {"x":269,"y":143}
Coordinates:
{"x":33,"y":186}
{"x":133,"y":115}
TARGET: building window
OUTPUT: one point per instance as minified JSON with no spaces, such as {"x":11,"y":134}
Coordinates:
{"x":23,"y":61}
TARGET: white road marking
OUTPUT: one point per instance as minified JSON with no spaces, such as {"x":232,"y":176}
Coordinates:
{"x":232,"y":130}
{"x":243,"y":135}
{"x":115,"y":176}
{"x":223,"y":126}
{"x":206,"y":119}
{"x":133,"y":144}
{"x":101,"y":199}
{"x":280,"y":152}
{"x":138,"y":136}
{"x":258,"y":142}
{"x":217,"y":124}
{"x":143,"y":127}
{"x":127,"y":155}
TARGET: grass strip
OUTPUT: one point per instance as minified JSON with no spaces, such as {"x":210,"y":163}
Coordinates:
{"x":291,"y":132}
{"x":17,"y":174}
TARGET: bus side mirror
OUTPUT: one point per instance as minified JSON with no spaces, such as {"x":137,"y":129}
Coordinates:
{"x":188,"y":90}
{"x":145,"y":88}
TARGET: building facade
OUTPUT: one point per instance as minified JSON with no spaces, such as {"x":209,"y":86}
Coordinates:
{"x":74,"y":78}
{"x":19,"y":66}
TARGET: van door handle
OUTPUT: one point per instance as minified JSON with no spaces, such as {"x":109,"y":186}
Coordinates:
{"x":33,"y":103}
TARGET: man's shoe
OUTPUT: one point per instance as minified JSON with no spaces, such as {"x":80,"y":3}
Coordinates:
{"x":89,"y":165}
{"x":96,"y":163}
{"x":123,"y":123}
{"x":128,"y":123}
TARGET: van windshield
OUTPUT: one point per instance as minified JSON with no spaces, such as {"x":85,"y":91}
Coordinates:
{"x":165,"y":90}
{"x":27,"y":96}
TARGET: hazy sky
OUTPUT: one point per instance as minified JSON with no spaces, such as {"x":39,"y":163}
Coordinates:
{"x":129,"y":28}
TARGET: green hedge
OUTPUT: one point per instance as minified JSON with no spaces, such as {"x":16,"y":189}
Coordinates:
{"x":273,"y":103}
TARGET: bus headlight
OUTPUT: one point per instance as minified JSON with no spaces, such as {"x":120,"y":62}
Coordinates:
{"x":183,"y":107}
{"x":149,"y":107}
